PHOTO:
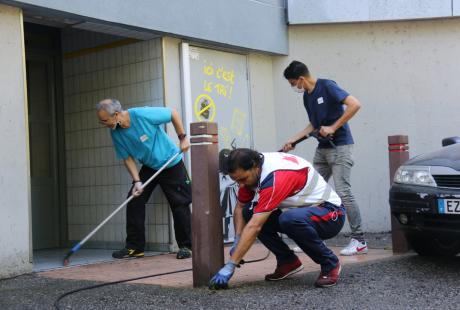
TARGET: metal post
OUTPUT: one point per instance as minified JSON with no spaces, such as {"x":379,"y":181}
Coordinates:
{"x":398,"y":148}
{"x":207,"y":235}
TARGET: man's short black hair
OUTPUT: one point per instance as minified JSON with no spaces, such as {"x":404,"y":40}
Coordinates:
{"x":245,"y":159}
{"x":295,"y":70}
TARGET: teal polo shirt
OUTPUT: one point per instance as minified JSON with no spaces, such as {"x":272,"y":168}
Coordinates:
{"x":145,"y":140}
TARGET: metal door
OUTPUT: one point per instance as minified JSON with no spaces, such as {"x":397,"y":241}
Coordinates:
{"x":42,"y":141}
{"x":219,"y":91}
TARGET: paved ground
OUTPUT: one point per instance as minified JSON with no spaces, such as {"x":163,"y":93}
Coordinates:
{"x":132,"y":268}
{"x":398,"y":282}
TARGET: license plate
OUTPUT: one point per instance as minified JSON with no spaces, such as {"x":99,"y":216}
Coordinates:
{"x":449,"y":206}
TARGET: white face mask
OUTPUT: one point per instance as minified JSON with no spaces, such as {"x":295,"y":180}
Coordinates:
{"x":296,"y":89}
{"x":117,"y":124}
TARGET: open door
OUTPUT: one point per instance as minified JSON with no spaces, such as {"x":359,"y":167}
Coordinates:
{"x":43,"y":162}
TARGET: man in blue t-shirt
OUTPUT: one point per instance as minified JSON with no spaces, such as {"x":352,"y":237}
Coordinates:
{"x":138,"y":134}
{"x":324,"y":101}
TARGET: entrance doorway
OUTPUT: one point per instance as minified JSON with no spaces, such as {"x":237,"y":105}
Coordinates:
{"x":42,"y":141}
{"x":43,"y":60}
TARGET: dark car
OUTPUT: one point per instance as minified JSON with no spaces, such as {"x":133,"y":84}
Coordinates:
{"x":425,"y":199}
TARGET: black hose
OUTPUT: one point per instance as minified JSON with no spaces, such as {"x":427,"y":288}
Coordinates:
{"x":14,"y":277}
{"x":256,"y":260}
{"x":56,"y":303}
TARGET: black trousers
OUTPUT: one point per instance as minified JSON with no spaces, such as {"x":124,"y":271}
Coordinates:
{"x":176,"y":185}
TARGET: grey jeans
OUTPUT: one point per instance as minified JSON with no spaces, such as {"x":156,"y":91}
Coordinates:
{"x":338,"y":162}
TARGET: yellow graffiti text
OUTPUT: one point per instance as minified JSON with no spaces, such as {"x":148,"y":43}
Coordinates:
{"x":208,"y":70}
{"x":207,"y":87}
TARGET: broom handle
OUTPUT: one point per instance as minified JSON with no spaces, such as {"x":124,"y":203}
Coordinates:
{"x":126,"y":201}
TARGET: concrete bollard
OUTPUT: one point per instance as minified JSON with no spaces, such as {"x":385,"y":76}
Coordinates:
{"x":207,"y":235}
{"x":398,"y":148}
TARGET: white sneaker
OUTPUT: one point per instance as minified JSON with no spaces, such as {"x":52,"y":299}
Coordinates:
{"x":355,"y":247}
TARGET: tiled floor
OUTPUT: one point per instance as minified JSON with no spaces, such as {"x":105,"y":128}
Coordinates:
{"x":53,"y":258}
{"x":124,"y":269}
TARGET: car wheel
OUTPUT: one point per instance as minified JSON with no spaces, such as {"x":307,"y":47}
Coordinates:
{"x":433,"y":246}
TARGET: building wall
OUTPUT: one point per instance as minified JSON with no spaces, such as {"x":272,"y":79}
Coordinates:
{"x":172,"y":79}
{"x":262,"y":103}
{"x":258,"y":25}
{"x":14,"y":152}
{"x":333,"y":11}
{"x":173,"y":98}
{"x":404,"y":74}
{"x":97,"y":182}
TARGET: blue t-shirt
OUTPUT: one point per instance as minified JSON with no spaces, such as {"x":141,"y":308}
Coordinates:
{"x":145,"y":139}
{"x":324,"y":106}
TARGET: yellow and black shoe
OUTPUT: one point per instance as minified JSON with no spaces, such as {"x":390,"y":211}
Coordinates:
{"x":126,"y":253}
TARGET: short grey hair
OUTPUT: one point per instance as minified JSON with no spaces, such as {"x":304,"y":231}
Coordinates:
{"x":110,"y":107}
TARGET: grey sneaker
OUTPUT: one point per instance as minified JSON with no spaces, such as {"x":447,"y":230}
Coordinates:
{"x":183,"y":253}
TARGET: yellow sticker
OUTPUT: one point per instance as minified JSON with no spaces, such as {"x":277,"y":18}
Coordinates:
{"x":205,"y":108}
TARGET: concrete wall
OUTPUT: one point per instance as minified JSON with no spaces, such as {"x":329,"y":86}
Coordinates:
{"x":456,"y":7}
{"x":333,"y":11}
{"x":406,"y":76}
{"x":172,"y":79}
{"x":14,"y":152}
{"x":264,"y":123}
{"x":97,"y":182}
{"x":258,"y":25}
{"x":173,"y":98}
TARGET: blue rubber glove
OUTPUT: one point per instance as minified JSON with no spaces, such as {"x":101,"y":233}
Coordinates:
{"x":235,"y":243}
{"x":220,"y":279}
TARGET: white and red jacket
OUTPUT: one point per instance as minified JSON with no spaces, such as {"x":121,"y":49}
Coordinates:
{"x":288,"y":181}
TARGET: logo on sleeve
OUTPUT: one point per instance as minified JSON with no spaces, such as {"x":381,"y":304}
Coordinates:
{"x":320,"y":100}
{"x":291,"y":159}
{"x":144,"y":138}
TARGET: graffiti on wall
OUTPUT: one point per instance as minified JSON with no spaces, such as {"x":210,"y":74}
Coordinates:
{"x":220,"y":94}
{"x":214,"y":103}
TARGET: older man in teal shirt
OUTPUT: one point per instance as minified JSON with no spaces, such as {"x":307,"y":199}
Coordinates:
{"x":138,"y":134}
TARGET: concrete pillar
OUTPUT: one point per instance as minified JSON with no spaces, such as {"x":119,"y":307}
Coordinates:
{"x":398,"y":148}
{"x":15,"y":245}
{"x":207,"y":235}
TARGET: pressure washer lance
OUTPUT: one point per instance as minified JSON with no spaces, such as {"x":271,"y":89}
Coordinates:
{"x":314,"y":134}
{"x":79,"y":244}
{"x":329,"y":138}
